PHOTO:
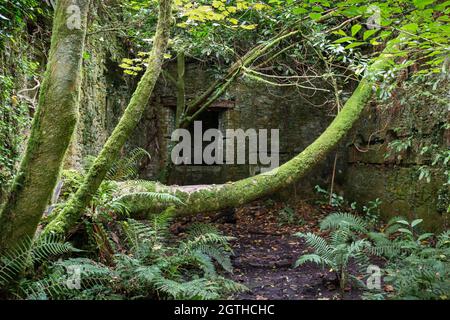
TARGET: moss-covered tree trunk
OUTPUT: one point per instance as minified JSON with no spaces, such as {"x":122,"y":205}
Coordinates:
{"x":52,"y":128}
{"x":128,"y":122}
{"x":216,"y":197}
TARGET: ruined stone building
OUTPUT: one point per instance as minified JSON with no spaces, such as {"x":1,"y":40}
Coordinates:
{"x":364,"y":169}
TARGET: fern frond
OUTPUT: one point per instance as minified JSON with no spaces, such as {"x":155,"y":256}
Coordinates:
{"x":14,"y":261}
{"x":314,"y":258}
{"x":199,"y":289}
{"x":342,"y":235}
{"x":220,"y":255}
{"x":205,"y":262}
{"x":28,"y":253}
{"x":137,"y":233}
{"x":46,"y":289}
{"x":126,"y":168}
{"x":339,"y":219}
{"x":51,"y":245}
{"x":198,"y":229}
{"x":318,"y":243}
{"x":161,"y":222}
{"x":153,"y":197}
{"x":207,"y":239}
{"x":60,"y":283}
{"x":443,"y":240}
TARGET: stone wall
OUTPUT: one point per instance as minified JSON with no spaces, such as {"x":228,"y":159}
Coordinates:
{"x":416,"y":116}
{"x":105,"y":91}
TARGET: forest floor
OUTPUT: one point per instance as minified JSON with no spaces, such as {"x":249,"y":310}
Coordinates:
{"x":265,"y":250}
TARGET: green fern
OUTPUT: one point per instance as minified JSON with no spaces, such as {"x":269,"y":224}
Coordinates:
{"x":27,"y":254}
{"x":158,"y":198}
{"x":340,"y":219}
{"x":344,"y":245}
{"x":154,"y":266}
{"x":56,"y":284}
{"x":126,"y":167}
{"x":207,"y":240}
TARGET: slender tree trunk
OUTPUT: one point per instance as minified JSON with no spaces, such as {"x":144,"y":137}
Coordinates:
{"x":216,"y":197}
{"x":130,"y":119}
{"x":52,"y":127}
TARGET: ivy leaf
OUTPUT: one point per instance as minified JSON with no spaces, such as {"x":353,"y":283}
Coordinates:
{"x":421,"y":4}
{"x":369,"y":33}
{"x":355,"y":29}
{"x":411,"y":27}
{"x":344,"y":39}
{"x":355,"y":44}
{"x":315,"y":16}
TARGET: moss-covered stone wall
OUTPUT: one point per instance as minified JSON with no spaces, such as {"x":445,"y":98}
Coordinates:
{"x":392,"y":145}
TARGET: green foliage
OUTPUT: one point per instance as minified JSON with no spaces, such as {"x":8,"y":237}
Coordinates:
{"x":288,"y":216}
{"x":183,"y":272}
{"x":26,"y":256}
{"x":420,"y":267}
{"x":345,"y":220}
{"x":125,"y":168}
{"x":421,"y":133}
{"x":14,"y":118}
{"x":17,"y":13}
{"x":343,"y":247}
{"x":372,"y":212}
{"x":417,"y":264}
{"x":60,"y":281}
{"x":151,"y":265}
{"x":334,"y":200}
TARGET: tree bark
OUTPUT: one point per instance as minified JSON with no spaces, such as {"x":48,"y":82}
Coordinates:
{"x":52,"y":128}
{"x":216,"y":197}
{"x":128,"y":122}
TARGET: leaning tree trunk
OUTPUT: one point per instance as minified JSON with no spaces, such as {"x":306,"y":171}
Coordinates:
{"x":128,"y":122}
{"x":216,"y":197}
{"x":52,"y":127}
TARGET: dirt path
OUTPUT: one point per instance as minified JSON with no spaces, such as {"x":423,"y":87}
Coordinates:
{"x":265,"y":251}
